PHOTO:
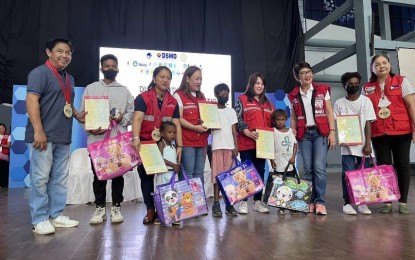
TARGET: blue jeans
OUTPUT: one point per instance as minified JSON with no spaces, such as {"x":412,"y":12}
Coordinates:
{"x":193,"y":161}
{"x":48,"y":177}
{"x":313,"y":149}
{"x":350,"y":163}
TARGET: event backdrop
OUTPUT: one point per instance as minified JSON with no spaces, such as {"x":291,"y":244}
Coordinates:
{"x":19,"y":152}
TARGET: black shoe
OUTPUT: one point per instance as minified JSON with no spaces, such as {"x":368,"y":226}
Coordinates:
{"x":216,"y":211}
{"x":294,"y":212}
{"x":231,"y":211}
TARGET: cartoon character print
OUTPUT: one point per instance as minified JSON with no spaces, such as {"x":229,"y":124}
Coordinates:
{"x":173,"y":210}
{"x":187,"y":203}
{"x":117,"y":158}
{"x":376,"y":191}
{"x":245,"y":187}
{"x":284,"y":195}
{"x":231,"y":193}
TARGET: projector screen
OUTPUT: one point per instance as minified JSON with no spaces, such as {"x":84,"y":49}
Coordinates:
{"x":136,"y":68}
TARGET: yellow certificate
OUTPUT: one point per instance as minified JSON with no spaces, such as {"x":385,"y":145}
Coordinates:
{"x":98,"y":112}
{"x":209,"y":113}
{"x":151,"y":157}
{"x":349,"y":129}
{"x":265,"y":143}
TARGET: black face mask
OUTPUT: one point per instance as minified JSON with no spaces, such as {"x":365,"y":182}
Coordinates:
{"x":110,"y":74}
{"x":353,"y":89}
{"x":223,"y":100}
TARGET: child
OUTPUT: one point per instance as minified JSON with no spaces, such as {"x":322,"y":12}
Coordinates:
{"x":354,"y":104}
{"x":168,"y":150}
{"x":168,"y":133}
{"x":285,"y":147}
{"x":224,"y":147}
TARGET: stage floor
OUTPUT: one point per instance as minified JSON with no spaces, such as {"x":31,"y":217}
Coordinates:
{"x":252,"y":236}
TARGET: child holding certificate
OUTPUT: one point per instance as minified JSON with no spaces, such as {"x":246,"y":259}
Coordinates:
{"x":354,"y":104}
{"x":224,"y":146}
{"x":285,"y":146}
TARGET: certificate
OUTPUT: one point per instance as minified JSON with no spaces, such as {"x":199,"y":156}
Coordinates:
{"x":265,"y":143}
{"x":209,"y":113}
{"x":151,"y":157}
{"x":349,"y":129}
{"x":98,"y":112}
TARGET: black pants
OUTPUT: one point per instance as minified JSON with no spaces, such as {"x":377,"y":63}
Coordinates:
{"x":4,"y":174}
{"x":397,"y":147}
{"x":147,"y":186}
{"x":258,"y":163}
{"x":100,"y":190}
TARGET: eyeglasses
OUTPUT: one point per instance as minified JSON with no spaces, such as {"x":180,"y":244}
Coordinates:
{"x":306,"y":72}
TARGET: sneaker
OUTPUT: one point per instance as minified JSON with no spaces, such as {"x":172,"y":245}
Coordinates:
{"x":363,"y":209}
{"x":281,"y":211}
{"x":243,"y":207}
{"x":99,"y":216}
{"x":231,"y":211}
{"x":64,"y":222}
{"x":349,"y":210}
{"x":403,"y":209}
{"x":116,"y":216}
{"x":216,"y":211}
{"x":260,"y":206}
{"x":43,"y":228}
{"x":312,"y":208}
{"x":321,"y":209}
{"x":386,"y":209}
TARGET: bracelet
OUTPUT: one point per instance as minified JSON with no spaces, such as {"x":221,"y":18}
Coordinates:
{"x":136,"y":137}
{"x":332,"y":130}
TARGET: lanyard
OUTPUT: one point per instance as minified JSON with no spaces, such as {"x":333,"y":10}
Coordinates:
{"x":66,"y":89}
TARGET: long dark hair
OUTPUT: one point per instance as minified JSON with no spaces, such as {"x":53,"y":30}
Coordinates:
{"x":184,"y":86}
{"x":5,"y":128}
{"x":155,"y":73}
{"x":373,"y":76}
{"x":250,"y":88}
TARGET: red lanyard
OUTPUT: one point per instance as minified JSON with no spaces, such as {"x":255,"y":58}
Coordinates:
{"x":66,"y":89}
{"x":157,"y":112}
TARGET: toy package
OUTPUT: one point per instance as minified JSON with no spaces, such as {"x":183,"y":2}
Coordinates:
{"x":288,"y":192}
{"x":113,"y":157}
{"x":240,"y":182}
{"x":176,"y":201}
{"x":372,"y":185}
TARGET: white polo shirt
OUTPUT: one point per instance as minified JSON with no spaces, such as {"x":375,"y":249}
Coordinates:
{"x":306,"y":97}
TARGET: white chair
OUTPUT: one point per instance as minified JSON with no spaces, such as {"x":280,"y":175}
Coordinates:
{"x":80,"y":178}
{"x":208,"y":179}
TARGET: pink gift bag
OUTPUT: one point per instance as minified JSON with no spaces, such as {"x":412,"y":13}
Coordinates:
{"x":372,"y":185}
{"x":113,"y":157}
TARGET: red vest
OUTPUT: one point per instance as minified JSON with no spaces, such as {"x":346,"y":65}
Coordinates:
{"x":5,"y":140}
{"x":148,"y":124}
{"x":399,"y":121}
{"x":191,"y":114}
{"x":318,"y":103}
{"x":254,"y":115}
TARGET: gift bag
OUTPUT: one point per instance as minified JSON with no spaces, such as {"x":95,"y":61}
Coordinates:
{"x":240,"y":182}
{"x":113,"y":157}
{"x":290,"y":193}
{"x":372,"y":185}
{"x":179,"y":200}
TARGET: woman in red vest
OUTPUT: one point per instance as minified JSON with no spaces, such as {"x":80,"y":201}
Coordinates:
{"x":4,"y":156}
{"x":392,"y":97}
{"x":151,"y":108}
{"x":195,"y":135}
{"x":253,"y":110}
{"x":313,"y":120}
